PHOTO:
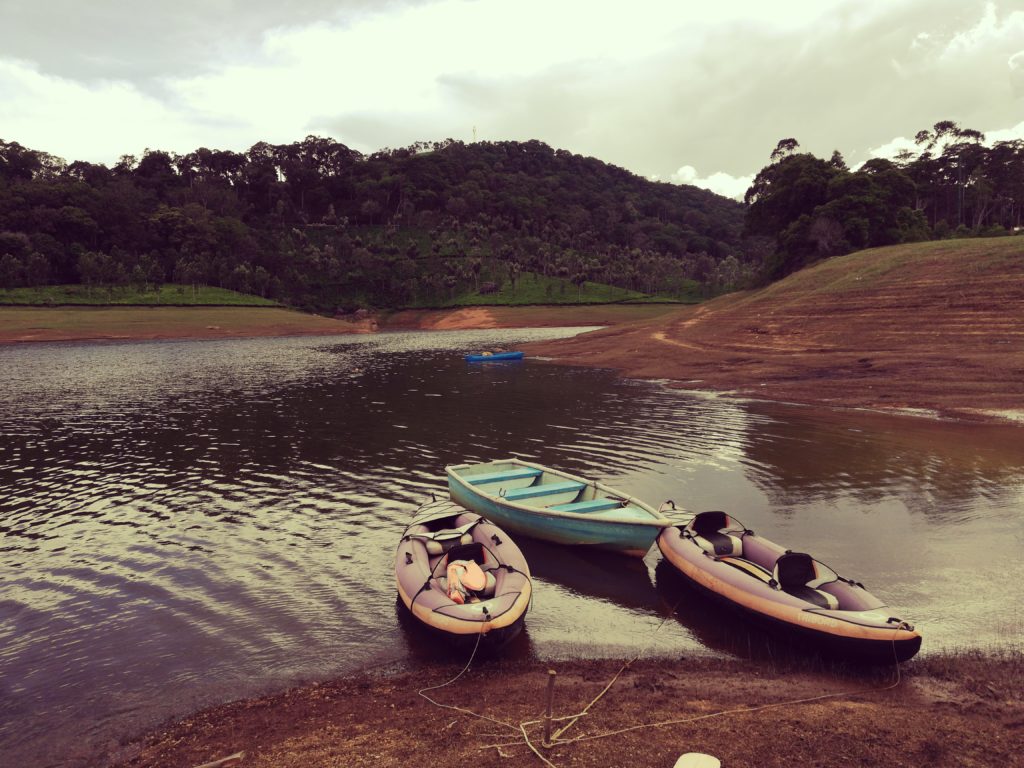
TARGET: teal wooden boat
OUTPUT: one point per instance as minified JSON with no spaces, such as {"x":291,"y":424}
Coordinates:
{"x":555,"y":506}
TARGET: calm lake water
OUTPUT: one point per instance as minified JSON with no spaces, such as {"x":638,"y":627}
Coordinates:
{"x":186,"y":523}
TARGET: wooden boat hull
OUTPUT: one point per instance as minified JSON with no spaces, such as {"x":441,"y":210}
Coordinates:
{"x":629,"y":529}
{"x":420,"y":577}
{"x":864,"y":631}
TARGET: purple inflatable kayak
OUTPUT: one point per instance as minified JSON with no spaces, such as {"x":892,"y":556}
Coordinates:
{"x":787,"y":591}
{"x":443,"y":533}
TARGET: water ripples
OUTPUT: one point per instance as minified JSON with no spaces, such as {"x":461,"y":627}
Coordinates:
{"x":184,"y":523}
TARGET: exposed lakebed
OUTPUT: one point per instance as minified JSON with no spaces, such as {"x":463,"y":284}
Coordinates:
{"x":186,"y":523}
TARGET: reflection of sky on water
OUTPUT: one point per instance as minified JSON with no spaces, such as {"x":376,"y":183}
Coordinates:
{"x":188,"y":522}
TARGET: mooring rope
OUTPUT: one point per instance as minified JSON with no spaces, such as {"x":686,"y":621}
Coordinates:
{"x":680,"y":721}
{"x":571,"y":720}
{"x":738,"y":710}
{"x":611,"y":682}
{"x":422,"y":691}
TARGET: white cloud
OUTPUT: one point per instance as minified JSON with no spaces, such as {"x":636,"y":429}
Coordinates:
{"x":404,"y":63}
{"x":1016,"y":66}
{"x":890,"y":149}
{"x":645,"y":86}
{"x":1005,"y":134}
{"x":398,"y":64}
{"x":92,"y":122}
{"x":719,"y":182}
{"x":988,"y":31}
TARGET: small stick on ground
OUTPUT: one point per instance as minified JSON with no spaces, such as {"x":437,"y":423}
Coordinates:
{"x":547,"y":712}
{"x":224,"y":761}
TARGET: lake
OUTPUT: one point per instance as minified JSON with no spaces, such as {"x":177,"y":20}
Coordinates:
{"x":186,"y":523}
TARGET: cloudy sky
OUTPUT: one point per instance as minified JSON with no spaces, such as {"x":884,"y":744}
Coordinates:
{"x":672,"y":89}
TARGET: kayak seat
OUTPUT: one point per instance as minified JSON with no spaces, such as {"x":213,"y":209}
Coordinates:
{"x":472,"y":551}
{"x":720,"y":544}
{"x":584,"y":507}
{"x":442,"y":543}
{"x":549,"y":489}
{"x":796,"y":575}
{"x":521,"y":473}
{"x":708,"y":531}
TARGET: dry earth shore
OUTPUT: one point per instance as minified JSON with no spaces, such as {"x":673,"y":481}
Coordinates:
{"x":963,"y":711}
{"x":38,"y":324}
{"x":935,"y":326}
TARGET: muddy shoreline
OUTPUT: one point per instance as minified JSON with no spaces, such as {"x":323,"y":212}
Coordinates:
{"x":730,"y":345}
{"x":962,"y":710}
{"x":19,"y":325}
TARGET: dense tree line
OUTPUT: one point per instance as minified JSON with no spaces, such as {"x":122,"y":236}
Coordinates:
{"x":953,"y":185}
{"x":317,"y":224}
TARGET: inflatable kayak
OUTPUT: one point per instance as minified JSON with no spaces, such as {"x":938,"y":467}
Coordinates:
{"x":490,"y":357}
{"x":788,"y":591}
{"x":461,"y":575}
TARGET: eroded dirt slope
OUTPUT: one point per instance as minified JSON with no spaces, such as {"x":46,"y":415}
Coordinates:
{"x":931,"y":325}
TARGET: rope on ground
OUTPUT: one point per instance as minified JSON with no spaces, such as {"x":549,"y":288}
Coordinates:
{"x":572,"y":719}
{"x":557,"y":734}
{"x":680,"y":721}
{"x":422,"y":692}
{"x":738,"y":710}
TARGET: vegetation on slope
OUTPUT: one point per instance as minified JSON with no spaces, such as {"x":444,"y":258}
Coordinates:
{"x":127,"y":295}
{"x":317,"y":225}
{"x":954,"y":186}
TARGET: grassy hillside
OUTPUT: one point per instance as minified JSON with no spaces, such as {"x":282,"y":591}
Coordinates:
{"x":918,"y":270}
{"x":533,"y":288}
{"x":936,"y":325}
{"x":167,"y":295}
{"x":530,"y":289}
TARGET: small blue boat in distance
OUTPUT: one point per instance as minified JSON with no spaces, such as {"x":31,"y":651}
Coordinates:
{"x":547,"y":504}
{"x":490,"y":357}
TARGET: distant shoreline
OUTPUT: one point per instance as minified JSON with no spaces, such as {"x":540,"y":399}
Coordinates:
{"x":754,"y":344}
{"x":20,"y":324}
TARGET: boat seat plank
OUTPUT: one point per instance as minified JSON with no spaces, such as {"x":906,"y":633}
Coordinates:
{"x":520,"y":473}
{"x":549,"y":489}
{"x":584,"y":507}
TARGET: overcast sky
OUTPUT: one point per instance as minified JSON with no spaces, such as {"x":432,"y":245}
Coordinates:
{"x":672,"y":89}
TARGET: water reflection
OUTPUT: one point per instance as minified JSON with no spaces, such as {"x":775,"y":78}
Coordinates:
{"x":605,"y":576}
{"x":185,"y":523}
{"x":425,"y":646}
{"x":941,"y":467}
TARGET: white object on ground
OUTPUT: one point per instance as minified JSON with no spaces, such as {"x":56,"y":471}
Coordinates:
{"x":697,"y":760}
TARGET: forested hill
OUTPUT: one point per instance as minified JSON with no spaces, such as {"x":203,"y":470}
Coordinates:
{"x":319,"y":225}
